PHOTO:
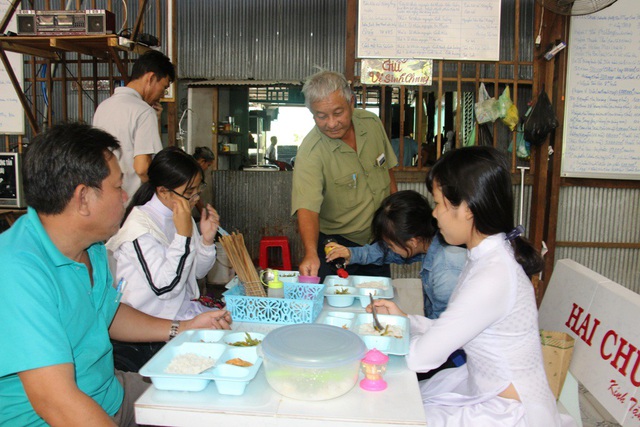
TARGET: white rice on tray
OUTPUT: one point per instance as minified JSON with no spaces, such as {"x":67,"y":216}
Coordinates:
{"x":376,"y":284}
{"x":189,"y":364}
{"x":394,"y":331}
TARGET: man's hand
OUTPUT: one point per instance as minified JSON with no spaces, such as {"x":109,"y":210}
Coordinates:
{"x":131,"y":325}
{"x":218,"y":319}
{"x":310,"y":265}
{"x":309,"y":227}
{"x":209,"y":222}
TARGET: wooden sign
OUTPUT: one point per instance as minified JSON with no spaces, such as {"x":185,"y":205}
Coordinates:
{"x":396,"y":72}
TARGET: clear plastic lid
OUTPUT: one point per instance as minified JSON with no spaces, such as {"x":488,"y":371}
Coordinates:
{"x":313,"y":345}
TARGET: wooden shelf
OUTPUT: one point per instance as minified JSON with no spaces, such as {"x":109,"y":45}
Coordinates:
{"x":229,"y":133}
{"x":99,"y":46}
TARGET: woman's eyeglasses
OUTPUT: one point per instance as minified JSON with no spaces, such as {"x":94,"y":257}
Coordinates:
{"x":194,"y":196}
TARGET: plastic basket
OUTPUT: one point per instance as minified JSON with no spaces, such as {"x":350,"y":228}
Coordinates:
{"x":302,"y":303}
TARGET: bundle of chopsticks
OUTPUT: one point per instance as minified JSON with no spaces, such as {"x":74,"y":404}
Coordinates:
{"x":236,"y":250}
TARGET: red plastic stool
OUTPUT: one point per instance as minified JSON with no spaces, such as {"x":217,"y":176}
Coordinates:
{"x":281,"y":242}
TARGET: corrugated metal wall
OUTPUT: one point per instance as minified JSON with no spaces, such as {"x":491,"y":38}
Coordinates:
{"x":256,"y":204}
{"x":607,"y":215}
{"x":263,"y":40}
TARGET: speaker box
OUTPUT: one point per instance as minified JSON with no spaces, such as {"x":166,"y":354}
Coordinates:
{"x":26,"y":24}
{"x":100,"y":22}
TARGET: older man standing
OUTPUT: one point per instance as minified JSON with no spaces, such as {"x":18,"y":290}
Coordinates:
{"x":58,"y":305}
{"x":131,"y":115}
{"x":342,"y":174}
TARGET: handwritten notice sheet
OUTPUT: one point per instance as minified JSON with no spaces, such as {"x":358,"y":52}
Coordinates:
{"x":11,"y":114}
{"x":602,"y":110}
{"x":429,"y":29}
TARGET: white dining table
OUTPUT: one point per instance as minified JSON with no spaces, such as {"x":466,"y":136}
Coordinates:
{"x":400,"y":404}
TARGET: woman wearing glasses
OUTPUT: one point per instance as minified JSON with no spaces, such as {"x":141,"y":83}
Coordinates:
{"x":158,"y":250}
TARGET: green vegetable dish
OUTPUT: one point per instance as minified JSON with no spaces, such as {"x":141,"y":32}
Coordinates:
{"x":247,"y":342}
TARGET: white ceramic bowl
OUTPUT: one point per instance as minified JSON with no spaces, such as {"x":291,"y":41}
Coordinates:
{"x":340,"y":299}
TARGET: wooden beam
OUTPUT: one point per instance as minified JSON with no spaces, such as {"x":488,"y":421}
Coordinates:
{"x":138,"y":25}
{"x":7,"y":16}
{"x":69,"y":46}
{"x":602,"y":245}
{"x":172,"y":120}
{"x":65,"y":87}
{"x":121,"y":68}
{"x":350,"y":45}
{"x":11,"y":46}
{"x":215,"y":113}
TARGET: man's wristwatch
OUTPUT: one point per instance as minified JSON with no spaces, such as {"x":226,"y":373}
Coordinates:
{"x":174,"y":329}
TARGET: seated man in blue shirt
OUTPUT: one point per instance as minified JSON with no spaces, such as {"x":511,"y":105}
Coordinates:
{"x":58,"y":306}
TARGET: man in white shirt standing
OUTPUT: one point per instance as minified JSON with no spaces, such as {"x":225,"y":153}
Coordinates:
{"x":271,"y":153}
{"x":131,"y":115}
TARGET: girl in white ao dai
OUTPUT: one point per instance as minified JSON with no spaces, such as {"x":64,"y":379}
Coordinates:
{"x":492,"y":312}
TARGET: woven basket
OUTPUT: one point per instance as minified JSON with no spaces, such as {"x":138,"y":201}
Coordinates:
{"x":302,"y":303}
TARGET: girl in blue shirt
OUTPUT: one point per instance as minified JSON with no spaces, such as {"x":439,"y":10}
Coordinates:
{"x":404,"y":233}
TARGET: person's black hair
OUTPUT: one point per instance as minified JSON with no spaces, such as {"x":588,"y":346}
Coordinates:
{"x":203,"y":153}
{"x":170,"y":168}
{"x":481,"y":177}
{"x":61,"y":158}
{"x":403,"y":216}
{"x":156,"y":62}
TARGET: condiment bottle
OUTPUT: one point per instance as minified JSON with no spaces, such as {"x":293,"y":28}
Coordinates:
{"x":339,"y":264}
{"x":275,"y":287}
{"x":374,"y":365}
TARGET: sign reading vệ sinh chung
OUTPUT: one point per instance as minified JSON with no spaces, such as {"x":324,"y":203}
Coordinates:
{"x":396,"y":72}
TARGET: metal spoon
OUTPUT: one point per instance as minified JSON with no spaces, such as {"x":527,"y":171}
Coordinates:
{"x":376,"y":324}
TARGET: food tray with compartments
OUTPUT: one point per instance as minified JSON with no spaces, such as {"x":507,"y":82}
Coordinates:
{"x":342,"y":292}
{"x":302,"y":303}
{"x":361,"y":324}
{"x":214,"y":344}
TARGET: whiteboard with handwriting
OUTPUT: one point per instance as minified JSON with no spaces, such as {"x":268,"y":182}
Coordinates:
{"x":602,"y":109}
{"x":429,"y":29}
{"x":11,"y":113}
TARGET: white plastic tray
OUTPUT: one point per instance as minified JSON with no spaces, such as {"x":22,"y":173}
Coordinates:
{"x":386,"y":344}
{"x":333,"y":281}
{"x":229,"y":379}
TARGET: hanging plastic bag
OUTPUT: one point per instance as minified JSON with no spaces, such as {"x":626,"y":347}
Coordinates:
{"x":504,"y":102}
{"x":512,"y":117}
{"x":487,"y":108}
{"x":508,"y":110}
{"x":523,"y":148}
{"x":541,"y":121}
